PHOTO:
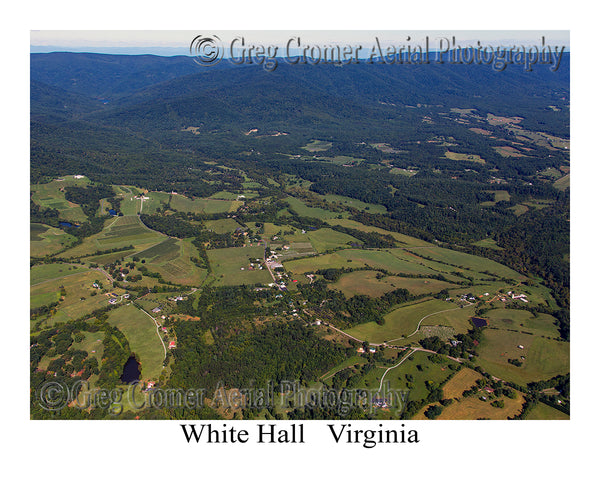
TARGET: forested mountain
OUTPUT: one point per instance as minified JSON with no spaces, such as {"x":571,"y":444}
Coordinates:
{"x":106,"y":76}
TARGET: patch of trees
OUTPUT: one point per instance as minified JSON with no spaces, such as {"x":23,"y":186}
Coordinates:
{"x":333,"y":274}
{"x":562,"y":383}
{"x":220,"y":308}
{"x":368,"y":239}
{"x":92,"y":226}
{"x":356,"y":309}
{"x":115,"y":355}
{"x":433,"y":412}
{"x":206,"y":239}
{"x":88,"y":197}
{"x":170,"y":225}
{"x":464,"y":344}
{"x":37,"y":214}
{"x":252,"y":357}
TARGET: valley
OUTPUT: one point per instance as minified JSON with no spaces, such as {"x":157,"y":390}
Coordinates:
{"x":344,"y":240}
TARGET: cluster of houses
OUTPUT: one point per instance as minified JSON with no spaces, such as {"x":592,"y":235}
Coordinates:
{"x":362,"y":350}
{"x":163,"y":329}
{"x":116,"y":298}
{"x":500,"y":296}
{"x":178,"y":298}
{"x":272,"y":261}
{"x":253,"y":266}
{"x":380,"y":403}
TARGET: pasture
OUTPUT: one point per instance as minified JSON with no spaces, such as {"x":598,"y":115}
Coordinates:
{"x":405,"y":239}
{"x":296,"y":249}
{"x":325,"y":239}
{"x":468,"y":262}
{"x":118,"y":232}
{"x":92,"y":343}
{"x":51,"y":195}
{"x":545,"y":412}
{"x":499,"y":196}
{"x":317,"y":146}
{"x":403,"y":321}
{"x":348,"y":363}
{"x":46,"y":240}
{"x":140,"y":331}
{"x":472,"y":408}
{"x":223,"y":225}
{"x":50,"y":271}
{"x":488,"y":243}
{"x":464,"y":157}
{"x":305,"y":211}
{"x":171,"y":258}
{"x":78,"y":300}
{"x":544,"y":358}
{"x":507,"y":151}
{"x":419,"y":367}
{"x":343,"y":160}
{"x":365,"y":282}
{"x":204,"y":205}
{"x":227,"y":264}
{"x":155,"y":200}
{"x":354,"y":203}
{"x":522,"y":320}
{"x":563,"y":183}
{"x":460,"y":382}
{"x":519,"y":209}
{"x":395,"y":261}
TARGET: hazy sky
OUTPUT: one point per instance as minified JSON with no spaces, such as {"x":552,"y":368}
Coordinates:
{"x":178,"y":42}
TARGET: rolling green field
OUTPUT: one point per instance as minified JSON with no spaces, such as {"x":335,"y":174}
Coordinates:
{"x":544,"y":358}
{"x":171,"y":258}
{"x":466,"y":261}
{"x":349,"y":362}
{"x":488,"y":243}
{"x":419,"y":366}
{"x":395,"y":261}
{"x":46,"y":240}
{"x":235,"y":196}
{"x":317,"y":146}
{"x":365,"y":282}
{"x":296,"y":249}
{"x":473,"y":408}
{"x":563,"y":183}
{"x":118,"y":232}
{"x":352,"y":202}
{"x":222,"y":225}
{"x":326,"y":239}
{"x":305,"y":211}
{"x":78,"y":300}
{"x":140,"y":331}
{"x":204,"y":205}
{"x":403,"y":321}
{"x":227,"y":263}
{"x":545,"y":412}
{"x":405,"y":239}
{"x":522,"y":320}
{"x":499,"y":196}
{"x":49,"y":195}
{"x":43,"y":273}
{"x":465,"y":157}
